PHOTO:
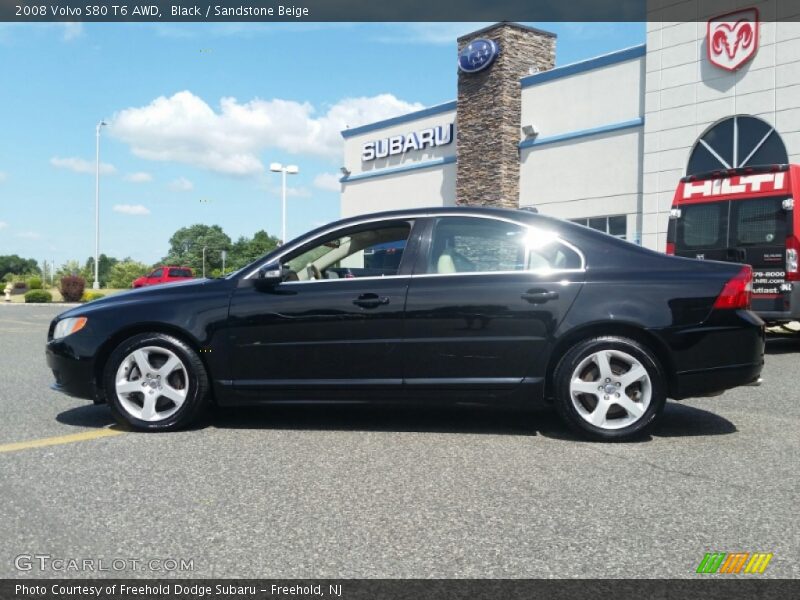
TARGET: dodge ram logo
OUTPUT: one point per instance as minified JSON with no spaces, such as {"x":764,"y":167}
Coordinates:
{"x":732,"y":38}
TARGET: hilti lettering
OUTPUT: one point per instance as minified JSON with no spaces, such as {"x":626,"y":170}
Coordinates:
{"x":764,"y":182}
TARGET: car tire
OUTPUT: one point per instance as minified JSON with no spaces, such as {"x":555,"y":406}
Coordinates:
{"x":609,"y":388}
{"x":156,"y":382}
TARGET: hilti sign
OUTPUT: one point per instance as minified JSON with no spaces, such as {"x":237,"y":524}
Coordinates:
{"x":762,"y":183}
{"x":732,"y":38}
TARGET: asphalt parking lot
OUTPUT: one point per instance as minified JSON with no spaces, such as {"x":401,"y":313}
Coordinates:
{"x":394,"y":492}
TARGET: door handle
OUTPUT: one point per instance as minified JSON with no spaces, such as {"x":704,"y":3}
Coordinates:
{"x":737,"y":254}
{"x":370,"y":300}
{"x":539,"y":297}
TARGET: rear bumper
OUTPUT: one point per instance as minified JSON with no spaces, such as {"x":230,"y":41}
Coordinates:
{"x":726,"y":351}
{"x":707,"y":382}
{"x":780,"y":316}
{"x":791,"y":308}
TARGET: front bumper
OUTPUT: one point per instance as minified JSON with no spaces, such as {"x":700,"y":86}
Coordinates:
{"x":74,"y":375}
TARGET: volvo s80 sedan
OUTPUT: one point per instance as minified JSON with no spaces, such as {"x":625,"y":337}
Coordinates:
{"x":434,"y":305}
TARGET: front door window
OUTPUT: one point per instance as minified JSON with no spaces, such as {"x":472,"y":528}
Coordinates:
{"x":372,"y":252}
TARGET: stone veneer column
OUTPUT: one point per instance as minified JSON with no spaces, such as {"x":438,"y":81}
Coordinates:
{"x":488,"y":118}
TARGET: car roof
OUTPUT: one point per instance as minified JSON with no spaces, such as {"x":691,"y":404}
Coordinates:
{"x":489,"y":211}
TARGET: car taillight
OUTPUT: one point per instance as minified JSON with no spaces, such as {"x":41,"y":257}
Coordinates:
{"x":792,"y":251}
{"x":671,"y":248}
{"x":736,"y":293}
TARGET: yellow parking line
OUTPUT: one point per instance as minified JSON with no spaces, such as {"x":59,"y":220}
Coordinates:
{"x":62,"y":439}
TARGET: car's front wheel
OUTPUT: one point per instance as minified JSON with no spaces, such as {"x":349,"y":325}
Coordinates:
{"x":609,"y":388}
{"x":155,"y":382}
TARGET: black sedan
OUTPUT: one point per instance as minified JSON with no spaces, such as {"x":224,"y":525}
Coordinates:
{"x":437,"y":305}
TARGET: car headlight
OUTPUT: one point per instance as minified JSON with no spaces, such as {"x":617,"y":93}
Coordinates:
{"x":68,"y":326}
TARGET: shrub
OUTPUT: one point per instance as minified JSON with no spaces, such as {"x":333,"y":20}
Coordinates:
{"x":35,"y":283}
{"x":72,"y":288}
{"x":89,"y":296}
{"x":38,"y":296}
{"x":124,"y":272}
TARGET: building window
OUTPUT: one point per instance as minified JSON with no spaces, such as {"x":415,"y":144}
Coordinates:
{"x":616,"y":225}
{"x":740,"y":141}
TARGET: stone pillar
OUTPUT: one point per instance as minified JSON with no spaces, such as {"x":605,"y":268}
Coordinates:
{"x":489,"y":107}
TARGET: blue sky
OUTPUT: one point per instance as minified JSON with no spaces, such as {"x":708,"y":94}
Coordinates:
{"x":197,"y":112}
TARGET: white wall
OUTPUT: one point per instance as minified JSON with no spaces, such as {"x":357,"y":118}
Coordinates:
{"x":686,"y":94}
{"x":596,"y":175}
{"x":422,"y":188}
{"x":609,"y":94}
{"x":430,"y":186}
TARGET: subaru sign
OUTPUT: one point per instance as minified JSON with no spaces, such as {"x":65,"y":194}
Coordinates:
{"x":432,"y":137}
{"x":477,"y":55}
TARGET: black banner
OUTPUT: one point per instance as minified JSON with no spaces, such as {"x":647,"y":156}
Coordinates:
{"x":375,"y":10}
{"x":751,"y":587}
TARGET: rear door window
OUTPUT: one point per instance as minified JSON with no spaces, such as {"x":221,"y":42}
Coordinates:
{"x":758,"y":222}
{"x":478,"y":245}
{"x":703,"y":226}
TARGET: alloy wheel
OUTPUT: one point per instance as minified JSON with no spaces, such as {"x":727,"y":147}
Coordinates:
{"x":610,"y":389}
{"x":151,"y":383}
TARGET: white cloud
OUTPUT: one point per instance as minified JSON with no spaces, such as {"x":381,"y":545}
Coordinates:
{"x":184,"y":128}
{"x":292,"y":192}
{"x":3,"y":224}
{"x":80,"y":165}
{"x":132,"y":209}
{"x":181,"y":184}
{"x":68,"y":31}
{"x":140,"y":177}
{"x":328,"y":182}
{"x":71,"y":31}
{"x":30,"y":235}
{"x":3,"y":176}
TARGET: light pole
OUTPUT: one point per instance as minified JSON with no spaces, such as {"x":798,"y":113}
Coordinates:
{"x":291,"y":170}
{"x":96,"y":284}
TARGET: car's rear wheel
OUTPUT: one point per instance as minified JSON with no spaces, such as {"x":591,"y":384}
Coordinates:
{"x":155,"y":382}
{"x":609,"y":388}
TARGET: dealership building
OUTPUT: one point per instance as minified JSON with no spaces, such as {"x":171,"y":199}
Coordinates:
{"x":603,"y":141}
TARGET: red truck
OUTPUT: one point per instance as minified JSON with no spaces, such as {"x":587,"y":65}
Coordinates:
{"x":163,"y":275}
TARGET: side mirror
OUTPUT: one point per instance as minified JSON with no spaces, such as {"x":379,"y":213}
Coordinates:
{"x":271,"y":274}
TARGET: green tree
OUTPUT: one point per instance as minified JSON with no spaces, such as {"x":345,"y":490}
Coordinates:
{"x":122,"y":274}
{"x":71,"y":267}
{"x":17,"y":265}
{"x":186,"y":247}
{"x":246,"y":250}
{"x":106,"y":263}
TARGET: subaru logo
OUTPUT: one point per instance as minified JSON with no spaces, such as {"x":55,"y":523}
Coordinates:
{"x":477,"y":55}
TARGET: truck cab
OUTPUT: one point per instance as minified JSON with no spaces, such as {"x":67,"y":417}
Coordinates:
{"x":165,"y":274}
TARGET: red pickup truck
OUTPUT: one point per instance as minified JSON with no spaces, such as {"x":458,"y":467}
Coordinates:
{"x":163,"y":275}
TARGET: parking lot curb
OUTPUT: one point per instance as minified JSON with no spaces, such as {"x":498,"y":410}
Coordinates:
{"x":67,"y":304}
